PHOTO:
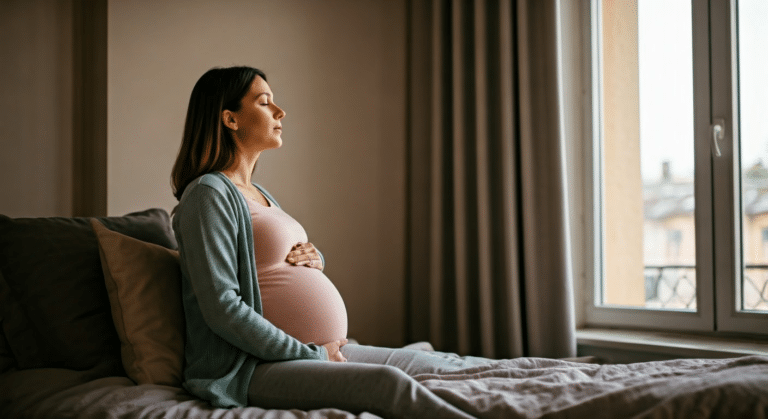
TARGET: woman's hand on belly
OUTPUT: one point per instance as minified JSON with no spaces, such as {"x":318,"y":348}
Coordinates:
{"x":334,"y":354}
{"x":304,"y":254}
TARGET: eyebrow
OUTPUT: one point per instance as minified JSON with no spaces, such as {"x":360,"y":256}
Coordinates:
{"x":264,"y":93}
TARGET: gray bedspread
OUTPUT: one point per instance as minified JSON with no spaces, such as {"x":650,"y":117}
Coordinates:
{"x":537,"y":387}
{"x":517,"y":388}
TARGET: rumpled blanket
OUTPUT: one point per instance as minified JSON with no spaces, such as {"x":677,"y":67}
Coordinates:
{"x":516,"y":388}
{"x":547,"y":388}
{"x":65,"y":394}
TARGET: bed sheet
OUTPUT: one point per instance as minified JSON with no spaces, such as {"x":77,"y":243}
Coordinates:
{"x":516,"y":388}
{"x":538,"y":387}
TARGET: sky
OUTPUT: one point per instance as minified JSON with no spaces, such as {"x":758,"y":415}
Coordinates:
{"x":666,"y":85}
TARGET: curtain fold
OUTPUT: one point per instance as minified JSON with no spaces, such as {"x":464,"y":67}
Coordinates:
{"x":487,"y":260}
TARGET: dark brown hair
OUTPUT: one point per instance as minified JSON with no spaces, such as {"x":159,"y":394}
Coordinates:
{"x":207,"y":145}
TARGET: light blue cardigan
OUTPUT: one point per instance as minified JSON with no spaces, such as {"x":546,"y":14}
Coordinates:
{"x":227,"y":336}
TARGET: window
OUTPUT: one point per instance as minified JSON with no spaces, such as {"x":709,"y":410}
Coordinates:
{"x":679,"y":165}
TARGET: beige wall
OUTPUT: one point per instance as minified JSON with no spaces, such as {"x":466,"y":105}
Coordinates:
{"x":337,"y":68}
{"x":36,"y":108}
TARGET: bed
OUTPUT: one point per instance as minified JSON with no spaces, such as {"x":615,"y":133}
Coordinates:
{"x":62,"y":357}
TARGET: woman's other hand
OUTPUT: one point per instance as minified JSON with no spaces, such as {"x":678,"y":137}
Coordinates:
{"x":304,"y":254}
{"x":334,"y":354}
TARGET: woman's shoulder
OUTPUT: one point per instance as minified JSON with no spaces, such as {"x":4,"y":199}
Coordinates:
{"x":215,"y":180}
{"x":209,"y":184}
{"x":208,"y":191}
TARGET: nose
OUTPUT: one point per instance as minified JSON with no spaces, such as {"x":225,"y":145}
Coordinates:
{"x":280,"y":114}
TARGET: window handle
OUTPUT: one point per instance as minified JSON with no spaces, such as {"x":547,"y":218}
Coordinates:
{"x":718,"y":134}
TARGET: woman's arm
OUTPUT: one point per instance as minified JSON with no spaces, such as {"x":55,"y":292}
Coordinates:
{"x":208,"y":245}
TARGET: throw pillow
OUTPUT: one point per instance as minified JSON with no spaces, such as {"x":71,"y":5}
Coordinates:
{"x":144,"y":285}
{"x":53,"y":300}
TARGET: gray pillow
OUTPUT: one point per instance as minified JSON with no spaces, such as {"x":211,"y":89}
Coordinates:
{"x":7,"y":360}
{"x":54,"y":308}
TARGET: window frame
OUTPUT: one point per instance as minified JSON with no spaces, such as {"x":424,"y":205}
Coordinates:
{"x":726,"y":179}
{"x":718,"y":229}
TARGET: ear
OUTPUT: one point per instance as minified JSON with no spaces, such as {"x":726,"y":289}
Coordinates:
{"x":228,"y":119}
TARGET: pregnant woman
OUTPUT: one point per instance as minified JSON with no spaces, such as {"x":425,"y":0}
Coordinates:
{"x":265,"y":326}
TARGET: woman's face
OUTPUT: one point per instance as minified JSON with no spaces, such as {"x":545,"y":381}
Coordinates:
{"x":258,"y":120}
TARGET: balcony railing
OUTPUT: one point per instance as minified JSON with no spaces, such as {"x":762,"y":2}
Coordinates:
{"x":674,"y":286}
{"x":755,"y":287}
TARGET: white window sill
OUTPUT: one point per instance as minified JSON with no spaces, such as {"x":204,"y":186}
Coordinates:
{"x":627,"y":346}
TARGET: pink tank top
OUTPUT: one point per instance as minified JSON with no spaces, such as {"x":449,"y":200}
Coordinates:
{"x":301,"y":301}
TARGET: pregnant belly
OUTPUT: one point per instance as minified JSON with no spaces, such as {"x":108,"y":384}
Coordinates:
{"x":304,"y":303}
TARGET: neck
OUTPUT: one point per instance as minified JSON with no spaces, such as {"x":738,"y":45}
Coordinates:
{"x":241,"y":170}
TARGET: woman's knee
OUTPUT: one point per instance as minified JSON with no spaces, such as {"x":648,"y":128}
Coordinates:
{"x":389,"y":373}
{"x":391,"y":380}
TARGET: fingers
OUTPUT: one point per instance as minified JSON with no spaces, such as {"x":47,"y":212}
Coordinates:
{"x":334,"y":354}
{"x":339,"y":357}
{"x":306,"y":246}
{"x":304,"y":254}
{"x":301,"y":259}
{"x":302,"y":249}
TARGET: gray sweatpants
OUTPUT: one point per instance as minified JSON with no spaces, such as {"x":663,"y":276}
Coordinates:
{"x":374,"y":379}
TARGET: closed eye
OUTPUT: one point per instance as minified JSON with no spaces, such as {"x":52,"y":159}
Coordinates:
{"x":265,"y":96}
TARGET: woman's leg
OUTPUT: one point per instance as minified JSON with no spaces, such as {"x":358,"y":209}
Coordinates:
{"x":412,"y":362}
{"x":379,"y":389}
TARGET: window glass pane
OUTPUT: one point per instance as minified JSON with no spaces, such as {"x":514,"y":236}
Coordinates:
{"x":647,"y":157}
{"x":753,"y":127}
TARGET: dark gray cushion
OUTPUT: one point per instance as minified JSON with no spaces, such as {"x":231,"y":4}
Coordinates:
{"x":7,"y":360}
{"x":54,"y":307}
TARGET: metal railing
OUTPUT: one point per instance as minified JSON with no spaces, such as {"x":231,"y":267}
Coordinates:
{"x":674,"y":286}
{"x":755,"y":288}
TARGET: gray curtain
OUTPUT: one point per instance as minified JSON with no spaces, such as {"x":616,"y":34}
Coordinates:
{"x":488,"y":269}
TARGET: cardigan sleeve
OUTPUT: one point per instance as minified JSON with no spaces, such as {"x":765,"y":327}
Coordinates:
{"x":208,"y":249}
